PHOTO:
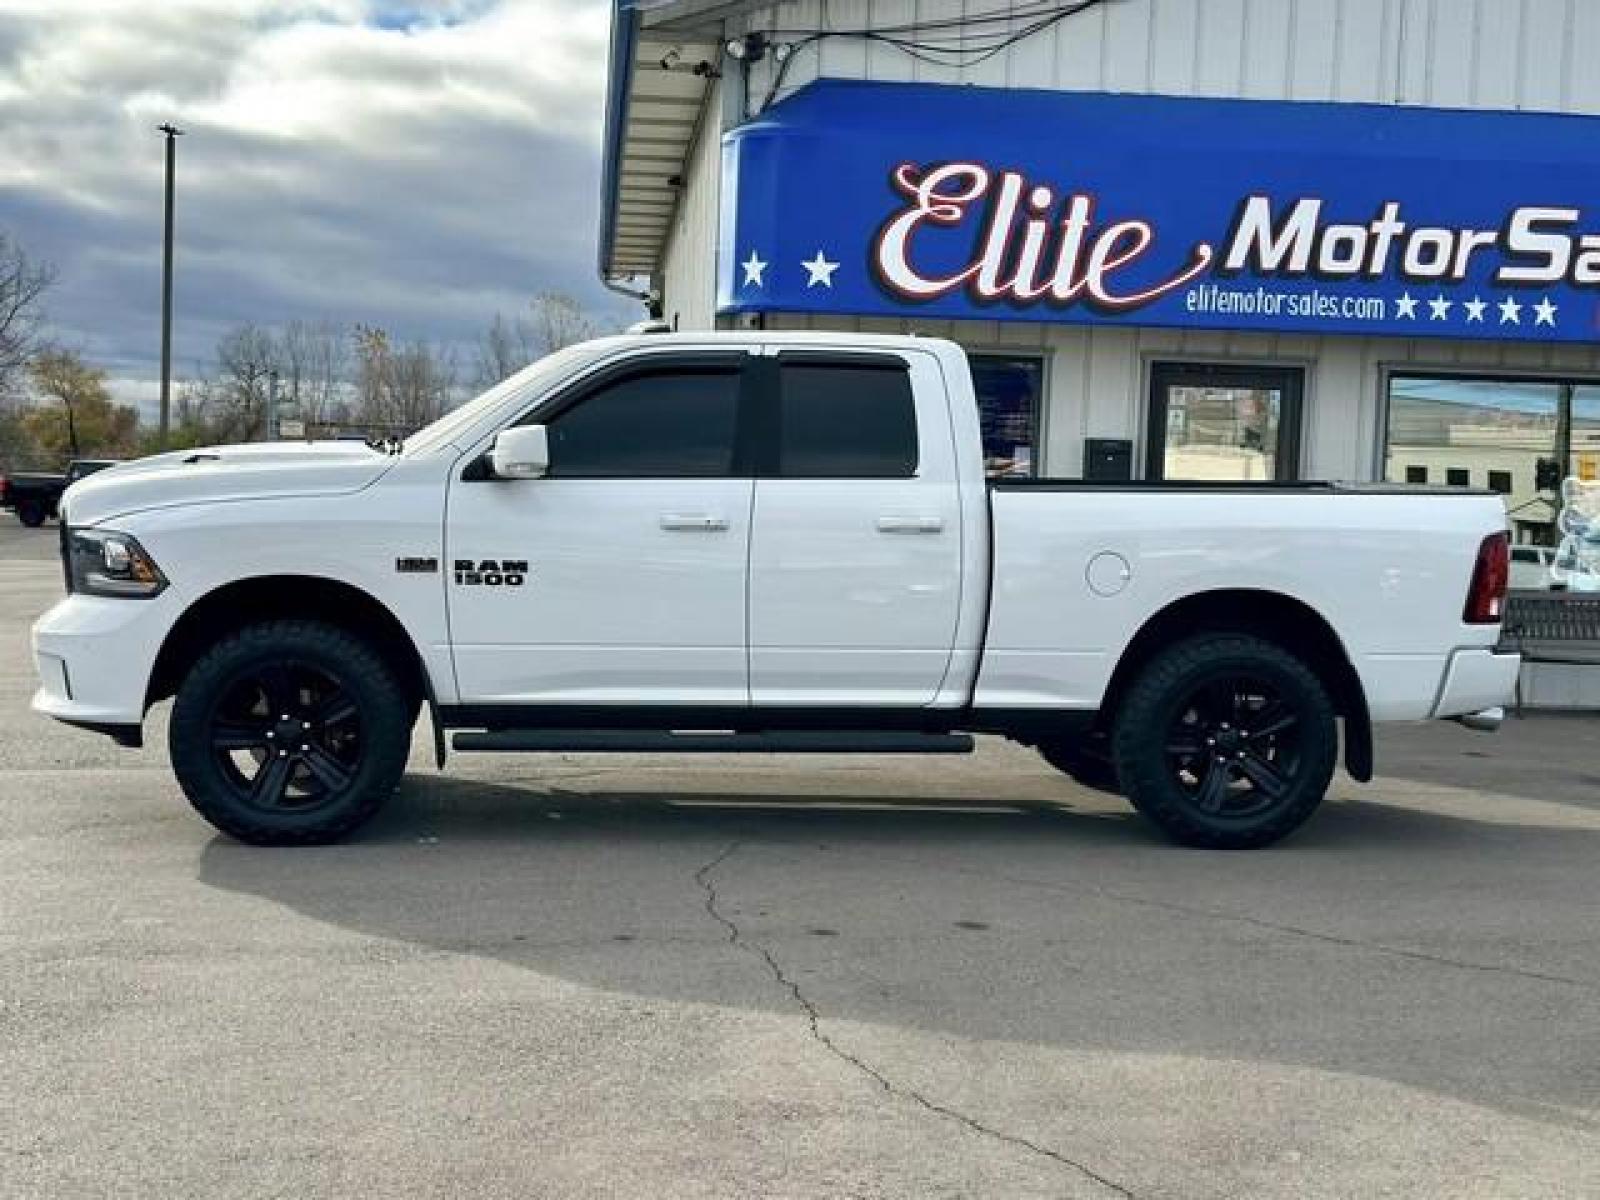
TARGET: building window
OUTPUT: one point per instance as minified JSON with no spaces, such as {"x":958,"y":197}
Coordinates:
{"x":1009,"y":392}
{"x":1416,"y":474}
{"x":1498,"y":429}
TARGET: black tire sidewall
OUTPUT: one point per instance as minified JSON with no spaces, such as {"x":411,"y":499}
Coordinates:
{"x":386,"y":731}
{"x":1139,"y":745}
{"x":30,"y":515}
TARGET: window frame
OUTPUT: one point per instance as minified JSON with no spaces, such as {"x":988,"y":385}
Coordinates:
{"x":1166,"y":373}
{"x":1040,"y":409}
{"x":1424,"y":371}
{"x":767,"y":399}
{"x":736,"y":362}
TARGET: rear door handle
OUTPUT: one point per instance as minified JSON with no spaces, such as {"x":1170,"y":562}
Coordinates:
{"x":694,"y":522}
{"x":897,"y":524}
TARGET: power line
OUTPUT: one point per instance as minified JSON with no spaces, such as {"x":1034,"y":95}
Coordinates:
{"x":955,"y":41}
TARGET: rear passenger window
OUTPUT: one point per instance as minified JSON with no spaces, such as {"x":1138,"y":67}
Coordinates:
{"x":846,"y":420}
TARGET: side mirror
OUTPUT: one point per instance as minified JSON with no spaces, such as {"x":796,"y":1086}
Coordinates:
{"x":521,"y":452}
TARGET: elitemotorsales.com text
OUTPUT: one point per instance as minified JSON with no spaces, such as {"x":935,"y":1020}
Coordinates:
{"x":1258,"y":301}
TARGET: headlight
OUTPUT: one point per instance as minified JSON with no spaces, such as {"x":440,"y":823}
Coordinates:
{"x":102,"y":563}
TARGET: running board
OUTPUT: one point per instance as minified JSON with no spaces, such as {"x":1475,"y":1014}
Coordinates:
{"x":655,"y":741}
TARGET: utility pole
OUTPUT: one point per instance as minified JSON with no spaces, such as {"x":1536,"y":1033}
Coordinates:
{"x":272,"y":404}
{"x":172,"y":134}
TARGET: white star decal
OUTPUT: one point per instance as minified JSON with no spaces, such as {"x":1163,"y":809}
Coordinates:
{"x":1441,"y":307}
{"x":1406,"y":307}
{"x":1474,"y":309}
{"x":754,"y":271}
{"x":1510,"y":312}
{"x":1544,"y":313}
{"x":820,"y":271}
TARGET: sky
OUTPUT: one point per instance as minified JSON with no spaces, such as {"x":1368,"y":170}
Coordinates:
{"x":417,"y":166}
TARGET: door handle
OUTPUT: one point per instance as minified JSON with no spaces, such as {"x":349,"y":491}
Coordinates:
{"x":694,"y":522}
{"x":910,"y":524}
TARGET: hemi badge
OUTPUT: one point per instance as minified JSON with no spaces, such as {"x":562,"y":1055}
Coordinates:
{"x":417,"y":566}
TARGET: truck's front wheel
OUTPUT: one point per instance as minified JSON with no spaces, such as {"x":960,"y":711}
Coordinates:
{"x":1227,"y":741}
{"x":289,"y":733}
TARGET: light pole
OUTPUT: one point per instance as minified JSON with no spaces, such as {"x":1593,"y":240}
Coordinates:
{"x":172,"y":134}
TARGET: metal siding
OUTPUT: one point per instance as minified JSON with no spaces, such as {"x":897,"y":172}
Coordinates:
{"x":1454,"y":53}
{"x":689,"y":274}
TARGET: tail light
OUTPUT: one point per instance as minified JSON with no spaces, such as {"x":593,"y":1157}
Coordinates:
{"x":1491,"y":575}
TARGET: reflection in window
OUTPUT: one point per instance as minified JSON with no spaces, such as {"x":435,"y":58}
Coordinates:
{"x":1494,"y":432}
{"x":1008,"y":409}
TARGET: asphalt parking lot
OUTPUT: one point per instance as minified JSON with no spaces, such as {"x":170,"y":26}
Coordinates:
{"x":570,"y":976}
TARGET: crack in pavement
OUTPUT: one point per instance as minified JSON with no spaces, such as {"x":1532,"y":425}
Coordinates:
{"x":1297,"y":931}
{"x":737,"y":938}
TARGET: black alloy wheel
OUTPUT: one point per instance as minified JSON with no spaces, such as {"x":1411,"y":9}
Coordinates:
{"x":287,"y":735}
{"x":290,"y":733}
{"x":1233,"y":745}
{"x":1226,"y":740}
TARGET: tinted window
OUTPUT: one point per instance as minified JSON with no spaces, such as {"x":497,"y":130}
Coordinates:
{"x":1457,"y":477}
{"x":1416,"y":474}
{"x":846,"y":420}
{"x":672,"y":422}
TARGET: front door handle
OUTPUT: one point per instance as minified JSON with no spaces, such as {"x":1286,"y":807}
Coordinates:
{"x":896,"y":524}
{"x":694,"y":522}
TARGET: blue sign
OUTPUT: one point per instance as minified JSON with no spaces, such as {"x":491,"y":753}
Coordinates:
{"x":889,"y":199}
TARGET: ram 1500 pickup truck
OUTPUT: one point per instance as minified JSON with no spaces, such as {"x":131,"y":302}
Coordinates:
{"x":756,"y":541}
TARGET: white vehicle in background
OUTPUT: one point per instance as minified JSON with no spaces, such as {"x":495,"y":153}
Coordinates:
{"x":756,"y":542}
{"x":1530,"y":567}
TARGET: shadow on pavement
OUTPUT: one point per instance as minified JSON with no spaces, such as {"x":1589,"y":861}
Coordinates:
{"x":1035,"y":924}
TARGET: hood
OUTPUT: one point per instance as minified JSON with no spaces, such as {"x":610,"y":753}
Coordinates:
{"x":218,"y":473}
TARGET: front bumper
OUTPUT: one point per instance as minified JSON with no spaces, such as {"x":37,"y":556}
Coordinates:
{"x":94,"y":656}
{"x":1477,"y":680}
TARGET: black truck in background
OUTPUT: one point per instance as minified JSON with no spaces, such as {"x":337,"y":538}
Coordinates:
{"x":34,"y":497}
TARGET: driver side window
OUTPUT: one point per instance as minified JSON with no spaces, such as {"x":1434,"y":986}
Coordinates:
{"x":667,"y":422}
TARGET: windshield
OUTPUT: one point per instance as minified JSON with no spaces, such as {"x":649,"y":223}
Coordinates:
{"x":531,"y":380}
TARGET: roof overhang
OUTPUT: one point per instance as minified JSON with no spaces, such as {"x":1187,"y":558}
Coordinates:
{"x":663,"y":61}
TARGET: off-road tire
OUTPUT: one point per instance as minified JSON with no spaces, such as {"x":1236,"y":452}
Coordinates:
{"x":308,"y":650}
{"x":1157,"y":704}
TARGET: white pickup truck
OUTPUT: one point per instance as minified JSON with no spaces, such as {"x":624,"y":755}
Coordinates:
{"x":756,"y":541}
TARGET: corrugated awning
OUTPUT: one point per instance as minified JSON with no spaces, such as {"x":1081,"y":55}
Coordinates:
{"x":658,"y":86}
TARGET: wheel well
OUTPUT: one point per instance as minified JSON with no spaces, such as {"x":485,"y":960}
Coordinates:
{"x":1288,"y":622}
{"x":283,"y":597}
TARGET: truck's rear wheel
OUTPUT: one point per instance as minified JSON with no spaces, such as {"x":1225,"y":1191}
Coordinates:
{"x":289,"y":733}
{"x":1227,"y":741}
{"x":30,"y":515}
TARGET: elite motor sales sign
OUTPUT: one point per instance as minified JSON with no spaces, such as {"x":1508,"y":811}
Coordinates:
{"x":899,"y":199}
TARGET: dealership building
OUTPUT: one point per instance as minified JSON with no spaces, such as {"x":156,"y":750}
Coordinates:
{"x":1245,"y":240}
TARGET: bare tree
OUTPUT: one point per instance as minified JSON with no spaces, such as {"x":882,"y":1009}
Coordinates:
{"x":246,"y":358}
{"x":23,"y":284}
{"x":559,"y":321}
{"x":400,"y":388}
{"x":315,"y":359}
{"x":553,"y":321}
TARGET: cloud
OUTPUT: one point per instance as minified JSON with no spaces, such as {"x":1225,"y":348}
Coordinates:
{"x":412,"y":165}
